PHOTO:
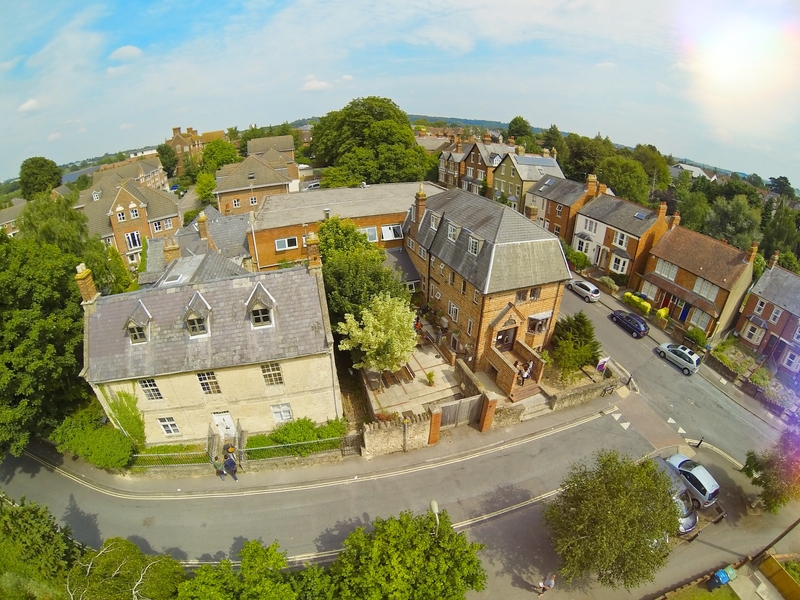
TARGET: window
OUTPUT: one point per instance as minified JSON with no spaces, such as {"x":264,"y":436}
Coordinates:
{"x":472,"y":246}
{"x":649,"y":290}
{"x":590,"y":225}
{"x":95,"y":195}
{"x":197,"y":326}
{"x":452,"y":278}
{"x":253,"y":200}
{"x":752,"y":333}
{"x":559,"y":209}
{"x":502,"y":186}
{"x":236,"y":203}
{"x":557,"y":229}
{"x":391,"y":232}
{"x":776,"y":314}
{"x":700,"y":319}
{"x":134,"y":213}
{"x":796,"y":336}
{"x":534,"y":293}
{"x":150,"y":389}
{"x":791,"y":361}
{"x":620,"y":239}
{"x":281,"y":412}
{"x":423,"y":254}
{"x":502,"y":170}
{"x":706,"y":289}
{"x":285,"y":243}
{"x":120,"y":217}
{"x":370,"y":232}
{"x":441,"y":268}
{"x":167,"y":223}
{"x":666,"y":269}
{"x":410,"y":243}
{"x":481,"y":175}
{"x":251,"y":175}
{"x":470,"y":171}
{"x":137,"y":334}
{"x":169,"y":426}
{"x":513,"y":172}
{"x":261,"y":317}
{"x":517,"y":191}
{"x":470,"y":324}
{"x":760,"y":306}
{"x":583,"y":246}
{"x":522,"y":295}
{"x":452,"y":232}
{"x":133,"y":240}
{"x":452,"y":310}
{"x":463,"y":286}
{"x":537,"y":325}
{"x":273,"y":375}
{"x":619,"y":265}
{"x":434,"y":222}
{"x":157,"y":226}
{"x":208,"y":382}
{"x":476,"y":295}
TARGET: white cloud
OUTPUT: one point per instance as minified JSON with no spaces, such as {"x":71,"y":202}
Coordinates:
{"x":347,"y":78}
{"x":10,"y":64}
{"x":114,"y":71}
{"x":315,"y":85}
{"x":125,"y":53}
{"x":605,"y":66}
{"x":29,"y":105}
{"x":56,"y":135}
{"x":126,"y":126}
{"x":82,"y":129}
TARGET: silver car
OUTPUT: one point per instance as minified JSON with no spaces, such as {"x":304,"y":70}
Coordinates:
{"x":585,"y":289}
{"x":687,"y":515}
{"x":702,"y":486}
{"x":687,"y":359}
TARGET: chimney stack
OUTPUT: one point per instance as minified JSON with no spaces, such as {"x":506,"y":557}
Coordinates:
{"x":751,"y":252}
{"x":520,"y":150}
{"x":459,"y":147}
{"x":202,"y":225}
{"x":420,"y":202}
{"x":171,"y":250}
{"x":554,"y":153}
{"x":314,"y":259}
{"x":510,"y":141}
{"x":86,"y":284}
{"x":487,"y":139}
{"x":662,"y":210}
{"x":675,"y":221}
{"x":591,"y":185}
{"x":773,"y":260}
{"x":176,"y":131}
{"x":545,"y":152}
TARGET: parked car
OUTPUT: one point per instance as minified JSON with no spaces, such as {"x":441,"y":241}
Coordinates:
{"x":687,"y":359}
{"x":702,"y":486}
{"x":687,"y":515}
{"x":314,"y":185}
{"x":634,"y":324}
{"x":585,"y":289}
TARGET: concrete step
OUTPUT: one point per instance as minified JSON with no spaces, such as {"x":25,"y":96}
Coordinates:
{"x":534,"y":406}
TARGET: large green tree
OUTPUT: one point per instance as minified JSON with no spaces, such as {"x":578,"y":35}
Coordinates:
{"x":694,"y":210}
{"x":41,"y":333}
{"x":519,"y":127}
{"x":218,"y":153}
{"x":781,"y":231}
{"x":553,"y":138}
{"x":169,"y":160}
{"x":782,"y":186}
{"x":585,"y":155}
{"x":384,"y":337}
{"x":408,"y":557}
{"x":574,"y":344}
{"x":655,"y":165}
{"x":36,"y":175}
{"x":734,"y":221}
{"x":625,"y":176}
{"x":206,"y":184}
{"x":612,"y":520}
{"x":776,"y":471}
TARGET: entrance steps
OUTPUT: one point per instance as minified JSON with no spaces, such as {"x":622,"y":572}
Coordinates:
{"x":534,"y":406}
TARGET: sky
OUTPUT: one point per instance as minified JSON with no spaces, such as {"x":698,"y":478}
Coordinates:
{"x":716,"y":81}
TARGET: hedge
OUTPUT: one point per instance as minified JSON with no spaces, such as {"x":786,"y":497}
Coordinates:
{"x":635,"y":301}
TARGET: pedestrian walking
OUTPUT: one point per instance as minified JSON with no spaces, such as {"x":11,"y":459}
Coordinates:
{"x":219,"y":468}
{"x":547,"y":584}
{"x":230,"y":466}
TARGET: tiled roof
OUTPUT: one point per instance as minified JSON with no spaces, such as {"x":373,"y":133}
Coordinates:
{"x":159,"y":204}
{"x":262,"y":176}
{"x":563,"y":191}
{"x":130,"y":170}
{"x":535,"y":168}
{"x":12,"y":212}
{"x":781,"y":288}
{"x":210,"y":136}
{"x":703,"y":256}
{"x":620,"y":214}
{"x":281,"y":143}
{"x":96,"y":211}
{"x":299,"y":328}
{"x":515,"y":252}
{"x":280,"y":210}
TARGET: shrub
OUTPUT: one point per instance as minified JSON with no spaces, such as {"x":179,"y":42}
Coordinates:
{"x":574,"y":344}
{"x":662,"y":313}
{"x":189,"y":216}
{"x":103,"y":446}
{"x":608,"y":282}
{"x":126,"y":413}
{"x":635,"y":301}
{"x":620,"y":279}
{"x":793,"y":569}
{"x":298,"y":432}
{"x":761,"y":377}
{"x":577,"y":259}
{"x":697,"y":336}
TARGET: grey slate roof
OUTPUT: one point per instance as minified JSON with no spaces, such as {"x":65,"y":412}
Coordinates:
{"x":781,"y":288}
{"x":620,"y":214}
{"x":280,"y":210}
{"x":96,"y":211}
{"x":281,"y":143}
{"x":12,"y":212}
{"x":299,"y":328}
{"x":263,"y":175}
{"x":130,"y":170}
{"x":516,"y":252}
{"x":159,"y":204}
{"x":534,"y":168}
{"x":432,"y":144}
{"x":563,"y":191}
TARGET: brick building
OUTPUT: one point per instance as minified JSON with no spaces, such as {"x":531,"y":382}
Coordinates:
{"x":242,"y":187}
{"x":554,"y":203}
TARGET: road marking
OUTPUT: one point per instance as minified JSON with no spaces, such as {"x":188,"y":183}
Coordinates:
{"x":681,"y":430}
{"x":616,"y":416}
{"x":670,"y":420}
{"x":625,"y":426}
{"x":155,"y":497}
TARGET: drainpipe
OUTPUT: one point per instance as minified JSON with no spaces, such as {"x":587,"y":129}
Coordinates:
{"x":255,"y":246}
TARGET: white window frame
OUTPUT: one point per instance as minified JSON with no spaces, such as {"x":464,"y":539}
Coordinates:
{"x":620,"y":239}
{"x":619,"y":265}
{"x":370,"y":232}
{"x":133,"y":240}
{"x":470,"y":171}
{"x":157,"y":226}
{"x":776,"y":315}
{"x":167,"y":223}
{"x":666,"y":269}
{"x":253,"y":200}
{"x":237,"y":203}
{"x":650,"y":290}
{"x":411,"y":244}
{"x":168,"y":426}
{"x":700,"y":319}
{"x":476,"y":296}
{"x":282,"y":413}
{"x":391,"y":232}
{"x":150,"y":389}
{"x":470,"y":325}
{"x":208,"y":382}
{"x":557,"y":229}
{"x":121,"y":217}
{"x":452,"y":311}
{"x":452,"y":232}
{"x":422,"y":252}
{"x":705,"y":289}
{"x":796,"y":336}
{"x":559,"y":209}
{"x":791,"y":361}
{"x":752,"y":333}
{"x":134,"y":213}
{"x":472,"y":246}
{"x":583,"y":246}
{"x":760,"y":306}
{"x":590,"y":225}
{"x":435,"y":221}
{"x":283,"y":244}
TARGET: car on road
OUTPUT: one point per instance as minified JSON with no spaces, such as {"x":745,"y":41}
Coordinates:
{"x":702,"y":486}
{"x":634,"y":324}
{"x":314,"y":185}
{"x":687,"y":359}
{"x":585,"y":289}
{"x":687,"y":515}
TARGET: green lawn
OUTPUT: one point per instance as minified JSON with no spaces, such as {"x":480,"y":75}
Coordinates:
{"x":696,"y":592}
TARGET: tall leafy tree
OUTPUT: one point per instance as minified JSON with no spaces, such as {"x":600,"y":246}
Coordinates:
{"x":612,"y":520}
{"x":782,"y":186}
{"x":36,"y":175}
{"x":574,"y":344}
{"x":519,"y":127}
{"x":734,"y":221}
{"x":781,"y":231}
{"x":206,"y":184}
{"x":625,"y":176}
{"x":552,"y":138}
{"x":41,"y":333}
{"x":585,"y":155}
{"x":755,"y":180}
{"x":694,"y":210}
{"x":655,"y":165}
{"x":384,"y":337}
{"x":408,"y":557}
{"x":789,"y":262}
{"x":218,"y":153}
{"x":169,"y":160}
{"x":776,"y":471}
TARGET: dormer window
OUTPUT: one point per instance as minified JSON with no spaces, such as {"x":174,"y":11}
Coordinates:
{"x":261,"y":307}
{"x":196,"y":325}
{"x":96,"y":195}
{"x":251,"y":175}
{"x":452,"y":232}
{"x":138,"y":324}
{"x":435,"y":221}
{"x":472,"y":246}
{"x":137,"y":334}
{"x":196,"y":316}
{"x":261,"y":317}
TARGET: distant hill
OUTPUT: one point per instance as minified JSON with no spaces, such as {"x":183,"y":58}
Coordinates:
{"x":460,"y":121}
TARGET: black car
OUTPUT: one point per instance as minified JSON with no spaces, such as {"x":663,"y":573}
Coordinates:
{"x":633,"y":323}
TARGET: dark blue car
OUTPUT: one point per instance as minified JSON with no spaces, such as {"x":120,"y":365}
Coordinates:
{"x":635,"y":324}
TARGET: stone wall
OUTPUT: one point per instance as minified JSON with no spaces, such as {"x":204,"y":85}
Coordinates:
{"x":507,"y":414}
{"x":386,"y":437}
{"x":470,"y":385}
{"x":583,"y":394}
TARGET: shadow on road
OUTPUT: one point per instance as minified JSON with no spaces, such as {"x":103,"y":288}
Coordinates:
{"x":332,"y":538}
{"x":83,"y":525}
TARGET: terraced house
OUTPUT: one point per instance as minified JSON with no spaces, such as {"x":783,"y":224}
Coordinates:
{"x":554,"y":203}
{"x":517,"y":173}
{"x":242,"y":187}
{"x":497,"y":276}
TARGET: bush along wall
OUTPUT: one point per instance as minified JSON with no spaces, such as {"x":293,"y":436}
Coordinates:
{"x":636,"y":302}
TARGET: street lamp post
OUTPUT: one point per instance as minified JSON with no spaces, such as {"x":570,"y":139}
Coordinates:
{"x":435,"y":511}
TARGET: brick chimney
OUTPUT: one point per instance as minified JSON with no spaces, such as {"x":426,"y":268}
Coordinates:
{"x":554,"y":153}
{"x":420,"y":202}
{"x":675,"y":221}
{"x":171,"y":250}
{"x":459,"y":146}
{"x":545,"y":152}
{"x":591,"y":185}
{"x":202,"y":226}
{"x":751,"y":252}
{"x":662,"y":210}
{"x":510,"y":141}
{"x":175,"y":131}
{"x":773,"y":260}
{"x":520,"y":150}
{"x":314,"y":259}
{"x":487,"y":139}
{"x":86,"y":284}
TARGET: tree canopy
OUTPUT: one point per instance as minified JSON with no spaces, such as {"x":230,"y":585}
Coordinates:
{"x":218,"y":153}
{"x":625,"y":176}
{"x":782,"y":186}
{"x":781,"y":231}
{"x":206,"y":184}
{"x":552,"y":138}
{"x":574,"y":344}
{"x":612,"y":520}
{"x":519,"y":127}
{"x":734,"y":221}
{"x":776,"y":471}
{"x":584,"y":155}
{"x":36,"y":175}
{"x":655,"y":165}
{"x":169,"y":160}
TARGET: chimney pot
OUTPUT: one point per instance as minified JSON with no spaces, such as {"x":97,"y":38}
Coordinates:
{"x":520,"y":150}
{"x":662,"y":210}
{"x":676,"y":219}
{"x":545,"y":152}
{"x":773,"y":260}
{"x":171,"y":250}
{"x":591,"y":185}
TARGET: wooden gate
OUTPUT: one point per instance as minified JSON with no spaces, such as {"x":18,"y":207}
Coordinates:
{"x":466,"y":411}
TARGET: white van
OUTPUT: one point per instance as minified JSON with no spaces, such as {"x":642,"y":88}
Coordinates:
{"x":314,"y":185}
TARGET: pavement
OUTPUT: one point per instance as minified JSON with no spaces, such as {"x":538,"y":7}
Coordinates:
{"x":504,"y":581}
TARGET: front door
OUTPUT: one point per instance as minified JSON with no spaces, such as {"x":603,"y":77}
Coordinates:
{"x":684,"y":311}
{"x":225,"y":425}
{"x":773,"y":339}
{"x":505,"y":339}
